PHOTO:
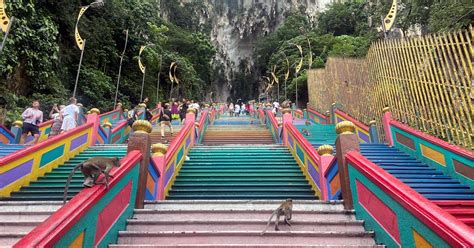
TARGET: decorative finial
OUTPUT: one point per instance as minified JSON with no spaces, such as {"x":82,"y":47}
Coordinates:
{"x":191,"y":110}
{"x":107,"y":124}
{"x":325,"y":150}
{"x":94,"y":111}
{"x":159,"y":149}
{"x":372,"y":122}
{"x":386,"y":109}
{"x":142,"y":105}
{"x":142,"y":126}
{"x":18,"y":124}
{"x":345,"y":127}
{"x":286,"y":111}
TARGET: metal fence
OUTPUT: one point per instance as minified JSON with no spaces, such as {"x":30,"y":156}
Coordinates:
{"x":427,"y":82}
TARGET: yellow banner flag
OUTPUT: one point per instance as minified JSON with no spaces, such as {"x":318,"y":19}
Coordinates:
{"x":3,"y":17}
{"x":79,"y":40}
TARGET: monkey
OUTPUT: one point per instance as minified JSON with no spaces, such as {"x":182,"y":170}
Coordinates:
{"x":286,"y":209}
{"x":91,"y":169}
{"x":307,"y":123}
{"x":305,"y":132}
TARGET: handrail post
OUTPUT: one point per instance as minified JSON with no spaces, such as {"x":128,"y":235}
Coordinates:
{"x":346,"y":141}
{"x":387,"y":116}
{"x":287,"y":119}
{"x":17,"y":129}
{"x":140,"y":140}
{"x":94,"y":118}
{"x":158,"y":158}
{"x":325,"y":160}
{"x":333,"y":113}
{"x":374,"y":136}
{"x":108,"y":132}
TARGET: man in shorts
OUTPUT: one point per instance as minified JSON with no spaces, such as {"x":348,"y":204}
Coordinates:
{"x":165,"y":120}
{"x":32,"y":117}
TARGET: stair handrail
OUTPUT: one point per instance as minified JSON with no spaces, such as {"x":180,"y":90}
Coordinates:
{"x":6,"y":136}
{"x":202,"y":125}
{"x":315,"y":116}
{"x":272,"y":124}
{"x":451,"y":159}
{"x":93,"y":215}
{"x":446,"y":226}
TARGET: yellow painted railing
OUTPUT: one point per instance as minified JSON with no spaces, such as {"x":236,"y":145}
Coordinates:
{"x":426,"y":81}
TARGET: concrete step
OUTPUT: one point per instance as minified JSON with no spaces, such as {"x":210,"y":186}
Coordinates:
{"x":19,"y":218}
{"x":247,"y":237}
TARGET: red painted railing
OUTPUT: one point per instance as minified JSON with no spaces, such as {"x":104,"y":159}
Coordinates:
{"x":48,"y":233}
{"x":442,"y":223}
{"x":353,"y":120}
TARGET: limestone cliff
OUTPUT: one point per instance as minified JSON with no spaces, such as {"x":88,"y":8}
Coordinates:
{"x":235,"y":26}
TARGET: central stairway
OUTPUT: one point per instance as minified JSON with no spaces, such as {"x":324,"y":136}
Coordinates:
{"x":27,"y":208}
{"x":224,"y":195}
{"x":241,"y":172}
{"x":239,"y":223}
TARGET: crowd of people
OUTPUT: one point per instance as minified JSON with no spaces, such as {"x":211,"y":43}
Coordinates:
{"x":64,"y":119}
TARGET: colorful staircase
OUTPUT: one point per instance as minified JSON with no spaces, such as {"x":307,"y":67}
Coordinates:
{"x":319,"y":134}
{"x":239,"y":223}
{"x":446,"y":192}
{"x":231,"y":135}
{"x":50,"y":187}
{"x":169,"y":137}
{"x":7,"y":149}
{"x":240,"y":172}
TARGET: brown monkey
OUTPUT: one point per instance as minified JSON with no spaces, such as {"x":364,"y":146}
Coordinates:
{"x":91,"y":169}
{"x":285,"y":209}
{"x":305,"y":132}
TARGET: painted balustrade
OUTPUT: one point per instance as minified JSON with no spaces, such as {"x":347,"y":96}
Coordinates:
{"x":201,"y":126}
{"x":113,"y":116}
{"x":399,"y":215}
{"x":320,"y":169}
{"x":6,"y":136}
{"x":316,"y":117}
{"x":94,"y":216}
{"x":362,"y":130}
{"x":261,"y":116}
{"x":298,"y":113}
{"x":165,"y":163}
{"x":272,"y":125}
{"x":21,"y":167}
{"x":451,"y":159}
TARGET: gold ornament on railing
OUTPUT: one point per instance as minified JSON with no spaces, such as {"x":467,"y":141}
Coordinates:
{"x":386,"y":109}
{"x":286,"y":111}
{"x":142,"y":126}
{"x":345,"y":127}
{"x":159,"y":149}
{"x":372,"y":122}
{"x":325,"y":150}
{"x":107,"y":124}
{"x":94,"y":111}
{"x":18,"y":124}
{"x":191,"y":110}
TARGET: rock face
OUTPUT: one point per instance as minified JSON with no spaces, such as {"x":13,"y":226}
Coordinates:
{"x":236,"y":25}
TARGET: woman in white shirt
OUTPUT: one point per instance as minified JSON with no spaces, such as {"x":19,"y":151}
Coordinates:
{"x":70,"y":114}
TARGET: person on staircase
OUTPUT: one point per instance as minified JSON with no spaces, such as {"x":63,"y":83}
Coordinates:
{"x":70,"y":115}
{"x":32,"y":117}
{"x":182,"y":111}
{"x":237,"y":110}
{"x":165,"y":120}
{"x":57,"y":117}
{"x":231,"y":109}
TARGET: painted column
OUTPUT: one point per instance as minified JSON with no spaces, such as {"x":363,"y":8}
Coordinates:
{"x":333,"y":113}
{"x":346,"y":141}
{"x":328,"y":117}
{"x":191,"y":118}
{"x":94,"y":118}
{"x":325,"y":160}
{"x":140,"y":140}
{"x":158,"y":157}
{"x":386,"y":118}
{"x":108,"y":132}
{"x":374,"y":136}
{"x":16,"y":130}
{"x":287,"y":119}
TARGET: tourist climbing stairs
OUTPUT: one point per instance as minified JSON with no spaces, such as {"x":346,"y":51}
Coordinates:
{"x":156,"y":133}
{"x":443,"y":190}
{"x":30,"y":206}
